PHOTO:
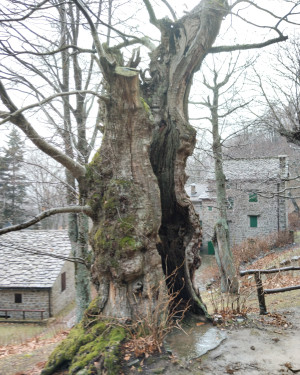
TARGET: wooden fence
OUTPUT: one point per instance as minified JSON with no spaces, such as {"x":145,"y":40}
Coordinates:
{"x":261,"y":292}
{"x":23,"y":311}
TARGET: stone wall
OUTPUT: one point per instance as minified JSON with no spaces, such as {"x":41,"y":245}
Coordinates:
{"x":208,"y":215}
{"x":59,"y":298}
{"x":32,"y":299}
{"x":270,"y":216}
{"x":264,"y":176}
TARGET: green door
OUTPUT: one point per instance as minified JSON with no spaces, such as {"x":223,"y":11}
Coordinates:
{"x":210,"y":247}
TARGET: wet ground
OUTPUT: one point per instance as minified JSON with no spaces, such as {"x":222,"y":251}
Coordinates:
{"x":248,"y":348}
{"x":257,"y":345}
{"x":264,"y":350}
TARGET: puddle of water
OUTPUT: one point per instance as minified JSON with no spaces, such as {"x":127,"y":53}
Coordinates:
{"x":198,"y":341}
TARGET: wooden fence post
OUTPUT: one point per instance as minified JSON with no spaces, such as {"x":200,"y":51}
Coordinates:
{"x":260,"y":294}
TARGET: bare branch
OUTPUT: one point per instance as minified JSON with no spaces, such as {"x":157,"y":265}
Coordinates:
{"x":81,"y":6}
{"x":170,"y":9}
{"x":34,"y":9}
{"x":52,"y":211}
{"x":280,"y":18}
{"x":240,"y":47}
{"x":151,"y":13}
{"x":74,"y":47}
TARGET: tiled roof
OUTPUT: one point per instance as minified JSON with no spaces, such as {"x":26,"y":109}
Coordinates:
{"x":252,"y":169}
{"x":23,"y":262}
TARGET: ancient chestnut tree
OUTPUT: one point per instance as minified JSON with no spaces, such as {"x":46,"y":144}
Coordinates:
{"x":144,"y":226}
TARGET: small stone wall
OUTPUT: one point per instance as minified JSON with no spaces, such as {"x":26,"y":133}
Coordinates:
{"x":32,"y":299}
{"x":60,"y":299}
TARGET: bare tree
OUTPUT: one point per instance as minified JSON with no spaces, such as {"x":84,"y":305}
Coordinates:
{"x":47,"y":188}
{"x":59,"y":68}
{"x":224,"y":82}
{"x":280,"y":92}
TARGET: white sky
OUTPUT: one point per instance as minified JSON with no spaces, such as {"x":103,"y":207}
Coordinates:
{"x":233,"y":30}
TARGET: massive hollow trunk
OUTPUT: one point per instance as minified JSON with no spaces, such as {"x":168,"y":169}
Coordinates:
{"x":183,"y":48}
{"x":144,"y":223}
{"x":126,"y":202}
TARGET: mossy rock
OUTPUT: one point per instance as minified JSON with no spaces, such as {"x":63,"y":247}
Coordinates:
{"x":85,"y":346}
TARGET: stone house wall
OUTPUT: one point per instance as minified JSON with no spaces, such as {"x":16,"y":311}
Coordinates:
{"x":270,"y":212}
{"x":208,"y":215}
{"x":61,"y":298}
{"x":32,"y":299}
{"x":51,"y":300}
{"x":264,"y":176}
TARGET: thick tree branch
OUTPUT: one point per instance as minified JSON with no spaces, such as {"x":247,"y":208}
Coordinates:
{"x":151,"y":13}
{"x":46,"y":100}
{"x":145,"y":41}
{"x":52,"y":211}
{"x":21,"y":122}
{"x":240,"y":47}
{"x":170,"y":9}
{"x":81,"y":6}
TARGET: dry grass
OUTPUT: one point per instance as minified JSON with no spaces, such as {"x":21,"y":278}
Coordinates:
{"x":254,"y":247}
{"x":18,"y":333}
{"x":163,"y":315}
{"x":229,"y":305}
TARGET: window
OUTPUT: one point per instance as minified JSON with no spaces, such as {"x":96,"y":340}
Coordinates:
{"x":253,"y":221}
{"x":252,"y":197}
{"x":18,"y":298}
{"x":63,"y":281}
{"x":230,"y":201}
{"x":201,"y":223}
{"x":209,"y":208}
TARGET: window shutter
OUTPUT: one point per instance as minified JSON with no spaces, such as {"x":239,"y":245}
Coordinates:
{"x":252,"y":197}
{"x":253,"y":221}
{"x":63,"y":281}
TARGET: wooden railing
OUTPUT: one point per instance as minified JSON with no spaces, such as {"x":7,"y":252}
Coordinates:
{"x":6,"y":311}
{"x":261,"y":292}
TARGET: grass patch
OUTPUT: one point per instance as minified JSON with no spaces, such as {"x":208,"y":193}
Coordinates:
{"x":18,"y":333}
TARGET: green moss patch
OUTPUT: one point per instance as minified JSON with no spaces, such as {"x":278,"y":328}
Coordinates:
{"x":85,"y":347}
{"x":128,"y":242}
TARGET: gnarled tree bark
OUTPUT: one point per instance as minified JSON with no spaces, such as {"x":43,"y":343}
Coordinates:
{"x":144,"y":223}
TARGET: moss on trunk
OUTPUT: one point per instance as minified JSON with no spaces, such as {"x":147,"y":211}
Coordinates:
{"x":93,"y":345}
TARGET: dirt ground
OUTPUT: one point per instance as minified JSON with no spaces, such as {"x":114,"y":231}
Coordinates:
{"x":262,"y":349}
{"x":253,"y":347}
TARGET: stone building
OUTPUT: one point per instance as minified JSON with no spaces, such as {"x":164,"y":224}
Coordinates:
{"x":34,"y":272}
{"x":255,"y":196}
